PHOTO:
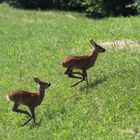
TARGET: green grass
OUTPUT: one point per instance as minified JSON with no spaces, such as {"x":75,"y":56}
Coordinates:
{"x":32,"y":43}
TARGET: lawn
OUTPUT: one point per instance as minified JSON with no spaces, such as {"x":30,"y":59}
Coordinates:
{"x":33,"y":43}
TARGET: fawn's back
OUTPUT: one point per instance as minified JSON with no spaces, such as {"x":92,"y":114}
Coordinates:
{"x":75,"y":61}
{"x":83,"y":62}
{"x":23,"y":97}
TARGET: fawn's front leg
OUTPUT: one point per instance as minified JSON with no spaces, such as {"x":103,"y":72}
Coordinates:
{"x":32,"y":117}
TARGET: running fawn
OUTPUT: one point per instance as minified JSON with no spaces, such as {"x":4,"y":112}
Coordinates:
{"x":81,"y":62}
{"x":32,"y":100}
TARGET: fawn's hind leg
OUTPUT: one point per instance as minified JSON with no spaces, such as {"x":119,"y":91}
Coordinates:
{"x":84,"y":77}
{"x":70,"y":73}
{"x":78,"y":73}
{"x":15,"y":109}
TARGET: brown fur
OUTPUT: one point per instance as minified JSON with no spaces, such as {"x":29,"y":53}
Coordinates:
{"x":81,"y":62}
{"x":32,"y":100}
{"x":24,"y":97}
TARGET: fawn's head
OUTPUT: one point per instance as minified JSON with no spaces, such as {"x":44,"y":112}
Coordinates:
{"x":42,"y":84}
{"x":97,"y":47}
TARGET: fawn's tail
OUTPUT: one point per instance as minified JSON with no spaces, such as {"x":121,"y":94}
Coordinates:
{"x":7,"y":97}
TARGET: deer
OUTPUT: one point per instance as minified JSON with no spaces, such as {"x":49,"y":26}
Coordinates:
{"x":29,"y":99}
{"x":82,"y":63}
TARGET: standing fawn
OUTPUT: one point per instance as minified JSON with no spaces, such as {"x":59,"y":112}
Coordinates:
{"x":32,"y":100}
{"x":81,"y":62}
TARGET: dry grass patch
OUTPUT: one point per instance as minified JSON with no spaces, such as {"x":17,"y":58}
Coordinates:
{"x":121,"y":43}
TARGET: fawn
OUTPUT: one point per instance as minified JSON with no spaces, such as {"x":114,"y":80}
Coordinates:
{"x":32,"y":100}
{"x":81,"y":62}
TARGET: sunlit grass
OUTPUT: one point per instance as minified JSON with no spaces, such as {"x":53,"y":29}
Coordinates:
{"x":33,"y":44}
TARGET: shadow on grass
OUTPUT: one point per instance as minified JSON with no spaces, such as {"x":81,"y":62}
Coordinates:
{"x":98,"y":81}
{"x":101,"y":80}
{"x":37,"y":124}
{"x":93,"y":84}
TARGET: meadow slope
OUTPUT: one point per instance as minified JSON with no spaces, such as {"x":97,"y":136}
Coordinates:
{"x":33,"y":43}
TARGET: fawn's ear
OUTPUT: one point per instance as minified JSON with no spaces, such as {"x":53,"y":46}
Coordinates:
{"x":36,"y":80}
{"x":93,"y":43}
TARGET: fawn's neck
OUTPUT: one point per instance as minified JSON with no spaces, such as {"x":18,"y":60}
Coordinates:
{"x":41,"y":94}
{"x":94,"y":56}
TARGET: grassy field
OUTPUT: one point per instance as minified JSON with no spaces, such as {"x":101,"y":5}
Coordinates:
{"x":32,"y":44}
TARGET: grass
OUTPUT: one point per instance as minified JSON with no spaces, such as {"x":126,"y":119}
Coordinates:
{"x":32,"y":43}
